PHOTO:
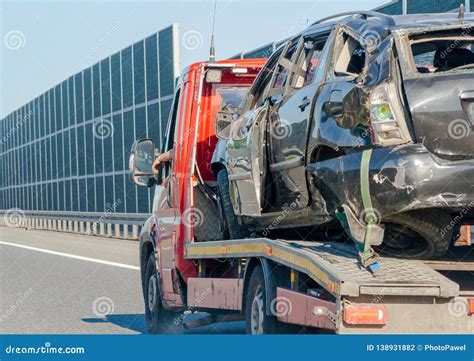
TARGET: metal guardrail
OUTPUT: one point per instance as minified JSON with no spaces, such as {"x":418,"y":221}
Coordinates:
{"x":103,"y":224}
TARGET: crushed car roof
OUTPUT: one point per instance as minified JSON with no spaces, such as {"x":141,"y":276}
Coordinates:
{"x":398,"y":21}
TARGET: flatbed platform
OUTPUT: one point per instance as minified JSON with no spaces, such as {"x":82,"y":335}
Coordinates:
{"x":457,"y":259}
{"x":335,"y":266}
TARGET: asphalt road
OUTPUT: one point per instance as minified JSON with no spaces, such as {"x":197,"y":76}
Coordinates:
{"x":60,"y":283}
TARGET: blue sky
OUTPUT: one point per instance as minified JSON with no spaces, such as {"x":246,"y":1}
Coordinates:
{"x":51,"y":40}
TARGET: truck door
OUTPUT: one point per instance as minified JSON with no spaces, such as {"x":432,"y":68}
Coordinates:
{"x":166,"y":211}
{"x":294,"y":87}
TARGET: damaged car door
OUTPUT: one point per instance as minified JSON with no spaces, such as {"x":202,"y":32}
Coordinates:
{"x":294,"y":86}
{"x":246,"y":153}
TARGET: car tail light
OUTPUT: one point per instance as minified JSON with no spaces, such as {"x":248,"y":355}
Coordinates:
{"x":387,"y":116}
{"x":365,"y":314}
{"x":464,"y":238}
{"x":470,"y":302}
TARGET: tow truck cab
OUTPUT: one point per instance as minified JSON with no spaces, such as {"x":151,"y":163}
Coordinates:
{"x":202,"y":89}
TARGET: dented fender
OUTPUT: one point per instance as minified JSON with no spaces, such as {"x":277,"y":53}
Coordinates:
{"x":400,"y":179}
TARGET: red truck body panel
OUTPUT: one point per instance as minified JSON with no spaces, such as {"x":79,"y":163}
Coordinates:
{"x":194,"y":144}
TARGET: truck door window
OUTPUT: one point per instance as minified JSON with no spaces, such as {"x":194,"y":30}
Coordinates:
{"x":169,"y":136}
{"x":168,"y":144}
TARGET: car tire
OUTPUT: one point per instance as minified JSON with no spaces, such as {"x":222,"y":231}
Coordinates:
{"x":206,"y":216}
{"x":236,"y":231}
{"x":256,"y":319}
{"x":416,"y":235}
{"x":158,"y":320}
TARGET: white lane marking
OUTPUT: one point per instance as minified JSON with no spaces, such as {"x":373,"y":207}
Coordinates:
{"x":88,"y":259}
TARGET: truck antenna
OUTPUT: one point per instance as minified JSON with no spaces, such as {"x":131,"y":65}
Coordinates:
{"x":212,"y":51}
{"x":461,"y":13}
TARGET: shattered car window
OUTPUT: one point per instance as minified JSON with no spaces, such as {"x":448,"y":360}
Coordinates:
{"x":441,"y":52}
{"x":351,"y":58}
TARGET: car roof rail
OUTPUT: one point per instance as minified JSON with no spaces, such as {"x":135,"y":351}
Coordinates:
{"x":364,"y":14}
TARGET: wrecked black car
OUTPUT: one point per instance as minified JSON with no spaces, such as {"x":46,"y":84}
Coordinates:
{"x":363,"y":124}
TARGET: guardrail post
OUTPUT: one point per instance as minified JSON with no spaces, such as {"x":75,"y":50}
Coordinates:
{"x":102,"y":229}
{"x":76,"y":226}
{"x":125,"y":231}
{"x":117,"y":230}
{"x":135,"y":231}
{"x":81,"y":227}
{"x":109,"y":229}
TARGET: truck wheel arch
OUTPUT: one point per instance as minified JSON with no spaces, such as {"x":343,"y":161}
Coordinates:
{"x":274,"y":276}
{"x":146,"y":248}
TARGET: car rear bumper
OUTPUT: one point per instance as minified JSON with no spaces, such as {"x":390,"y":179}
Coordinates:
{"x":400,"y":179}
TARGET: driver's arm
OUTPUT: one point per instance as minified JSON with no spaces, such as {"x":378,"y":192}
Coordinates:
{"x":162,"y":158}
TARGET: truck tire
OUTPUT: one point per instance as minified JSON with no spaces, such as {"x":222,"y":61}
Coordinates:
{"x":236,"y":231}
{"x":416,"y":235}
{"x":256,"y":319}
{"x":158,"y":319}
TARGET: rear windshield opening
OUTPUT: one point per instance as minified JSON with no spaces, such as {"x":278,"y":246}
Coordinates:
{"x":443,"y":51}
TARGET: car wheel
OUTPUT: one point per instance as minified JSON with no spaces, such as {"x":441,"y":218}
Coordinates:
{"x":256,"y":319}
{"x":236,"y":231}
{"x":158,"y":319}
{"x":416,"y":235}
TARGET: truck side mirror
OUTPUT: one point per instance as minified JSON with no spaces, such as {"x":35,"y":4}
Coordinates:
{"x":223,"y":122}
{"x":141,"y":162}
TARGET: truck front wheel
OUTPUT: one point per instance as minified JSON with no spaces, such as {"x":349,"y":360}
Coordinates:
{"x":158,"y":319}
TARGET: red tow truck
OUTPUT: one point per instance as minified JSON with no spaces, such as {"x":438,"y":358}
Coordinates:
{"x":188,"y":261}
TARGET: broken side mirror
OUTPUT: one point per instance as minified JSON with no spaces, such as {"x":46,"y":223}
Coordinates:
{"x":141,"y":163}
{"x":223,"y":122}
